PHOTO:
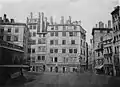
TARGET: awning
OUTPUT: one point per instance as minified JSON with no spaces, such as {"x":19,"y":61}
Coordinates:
{"x":99,"y":67}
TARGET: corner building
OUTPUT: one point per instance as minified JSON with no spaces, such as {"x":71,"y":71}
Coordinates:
{"x":65,"y":46}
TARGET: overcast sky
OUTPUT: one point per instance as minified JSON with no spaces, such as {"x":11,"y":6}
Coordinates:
{"x":89,"y":12}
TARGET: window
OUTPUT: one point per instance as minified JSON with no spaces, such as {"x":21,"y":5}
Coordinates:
{"x":51,"y":42}
{"x":55,"y":59}
{"x":1,"y":37}
{"x":43,"y":35}
{"x":63,"y":50}
{"x":101,"y":38}
{"x":52,"y":34}
{"x":63,"y":42}
{"x":64,"y":27}
{"x":70,"y":51}
{"x":16,"y":30}
{"x":8,"y":38}
{"x":2,"y":30}
{"x":34,"y":27}
{"x":33,"y":42}
{"x":34,"y":34}
{"x":51,"y":59}
{"x":51,"y":50}
{"x":39,"y":57}
{"x":75,"y":50}
{"x":56,"y":50}
{"x":56,"y":27}
{"x":30,"y":26}
{"x":33,"y":50}
{"x":63,"y":33}
{"x":15,"y":38}
{"x":43,"y":58}
{"x":70,"y":33}
{"x":72,"y":41}
{"x":75,"y":33}
{"x":9,"y":29}
{"x":52,"y":28}
{"x":75,"y":27}
{"x":42,"y":49}
{"x":42,"y":41}
{"x":56,"y":33}
{"x":56,"y":42}
{"x":29,"y":50}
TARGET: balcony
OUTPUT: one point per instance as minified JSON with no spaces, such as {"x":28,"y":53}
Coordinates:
{"x":10,"y":45}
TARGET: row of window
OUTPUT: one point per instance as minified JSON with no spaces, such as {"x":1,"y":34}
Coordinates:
{"x":64,"y":42}
{"x":32,"y":26}
{"x":40,"y":41}
{"x":63,"y":34}
{"x":9,"y":38}
{"x":63,"y":27}
{"x":63,"y":50}
{"x":9,"y":30}
{"x":116,"y":38}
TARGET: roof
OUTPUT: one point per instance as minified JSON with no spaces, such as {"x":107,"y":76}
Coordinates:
{"x":103,"y":29}
{"x":117,"y":8}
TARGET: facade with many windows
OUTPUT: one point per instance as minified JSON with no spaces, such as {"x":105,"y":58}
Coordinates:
{"x":15,"y":33}
{"x":116,"y":39}
{"x":37,"y":42}
{"x":65,"y":46}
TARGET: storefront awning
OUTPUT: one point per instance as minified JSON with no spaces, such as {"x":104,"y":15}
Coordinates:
{"x":99,"y":67}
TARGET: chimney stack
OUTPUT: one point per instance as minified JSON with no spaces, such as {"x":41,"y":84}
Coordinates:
{"x":51,"y":20}
{"x":45,"y":29}
{"x":96,"y":25}
{"x":31,"y":15}
{"x":70,"y":19}
{"x":109,"y":23}
{"x":105,"y":25}
{"x":12,"y":20}
{"x":0,"y":19}
{"x":62,"y":20}
{"x":101,"y":24}
{"x":4,"y":18}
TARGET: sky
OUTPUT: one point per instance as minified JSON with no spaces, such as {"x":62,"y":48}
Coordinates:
{"x":89,"y":12}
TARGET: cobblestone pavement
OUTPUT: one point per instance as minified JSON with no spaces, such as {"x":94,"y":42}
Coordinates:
{"x":64,"y":80}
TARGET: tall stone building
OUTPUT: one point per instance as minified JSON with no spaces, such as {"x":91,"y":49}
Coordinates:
{"x":13,"y":32}
{"x":37,"y":41}
{"x":116,"y":39}
{"x":66,"y":46}
{"x":98,"y":34}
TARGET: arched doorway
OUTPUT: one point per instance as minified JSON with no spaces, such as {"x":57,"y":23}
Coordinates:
{"x":56,"y":69}
{"x":63,"y":69}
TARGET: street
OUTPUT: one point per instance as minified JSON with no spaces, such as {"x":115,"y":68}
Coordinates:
{"x":65,"y":80}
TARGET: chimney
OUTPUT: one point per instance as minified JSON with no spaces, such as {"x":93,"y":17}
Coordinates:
{"x":101,"y":24}
{"x":70,"y":19}
{"x":38,"y":27}
{"x":51,"y":20}
{"x":62,"y":20}
{"x":105,"y":25}
{"x":31,"y":15}
{"x":4,"y":18}
{"x":109,"y":23}
{"x":79,"y":22}
{"x":12,"y":20}
{"x":0,"y":19}
{"x":96,"y":25}
{"x":45,"y":29}
{"x":42,"y":21}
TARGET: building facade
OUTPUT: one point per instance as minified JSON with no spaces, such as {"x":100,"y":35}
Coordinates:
{"x":108,"y":53}
{"x":66,"y":44}
{"x":98,"y":34}
{"x":116,"y":39}
{"x":13,"y":32}
{"x":37,"y":42}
